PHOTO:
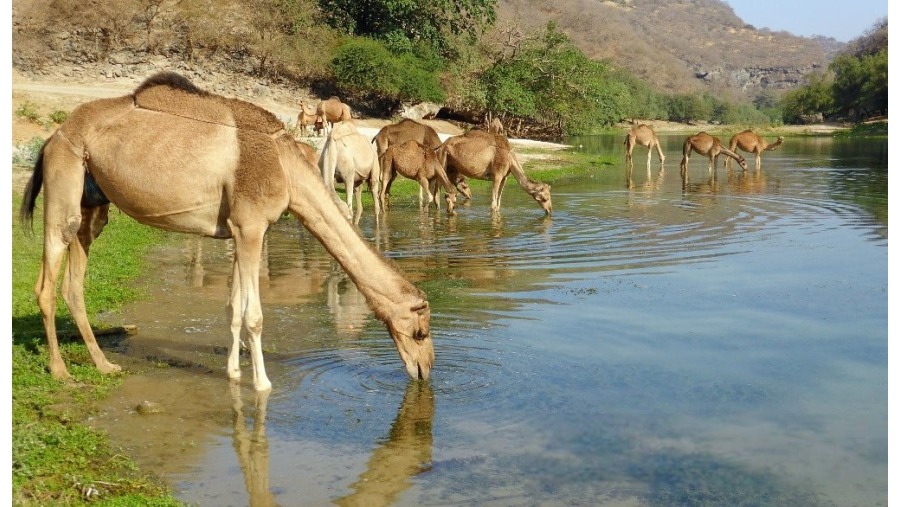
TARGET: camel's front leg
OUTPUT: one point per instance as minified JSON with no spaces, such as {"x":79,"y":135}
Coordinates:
{"x":248,"y":241}
{"x":236,"y":315}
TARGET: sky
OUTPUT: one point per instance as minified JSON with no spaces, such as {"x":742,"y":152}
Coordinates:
{"x":842,"y":19}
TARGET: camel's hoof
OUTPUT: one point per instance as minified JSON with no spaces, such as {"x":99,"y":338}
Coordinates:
{"x":60,"y":373}
{"x":108,"y":368}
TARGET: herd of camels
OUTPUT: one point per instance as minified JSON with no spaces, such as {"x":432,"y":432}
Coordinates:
{"x":701,"y":143}
{"x":181,"y":159}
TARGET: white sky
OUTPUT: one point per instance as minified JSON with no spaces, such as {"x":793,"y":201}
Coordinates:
{"x":842,"y":19}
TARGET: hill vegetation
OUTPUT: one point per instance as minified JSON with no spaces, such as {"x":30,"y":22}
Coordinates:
{"x":548,"y":70}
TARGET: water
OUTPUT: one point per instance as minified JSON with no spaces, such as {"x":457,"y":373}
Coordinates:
{"x":715,"y":340}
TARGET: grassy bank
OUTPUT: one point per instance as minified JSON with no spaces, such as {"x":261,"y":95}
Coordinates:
{"x":56,"y":458}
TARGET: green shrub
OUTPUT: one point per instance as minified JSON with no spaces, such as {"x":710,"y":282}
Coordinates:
{"x":28,"y":111}
{"x":58,"y":117}
{"x":26,"y":154}
{"x":366,"y":66}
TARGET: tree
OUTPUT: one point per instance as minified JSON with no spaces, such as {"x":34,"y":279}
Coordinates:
{"x":434,"y":23}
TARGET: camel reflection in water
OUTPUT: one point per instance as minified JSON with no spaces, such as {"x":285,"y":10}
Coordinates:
{"x":404,"y":454}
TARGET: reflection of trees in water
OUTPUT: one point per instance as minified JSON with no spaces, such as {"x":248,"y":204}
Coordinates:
{"x":404,"y":454}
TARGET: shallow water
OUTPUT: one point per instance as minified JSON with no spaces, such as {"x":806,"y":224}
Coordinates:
{"x":660,"y":340}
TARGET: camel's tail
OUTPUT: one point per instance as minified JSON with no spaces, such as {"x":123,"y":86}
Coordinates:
{"x":32,"y":189}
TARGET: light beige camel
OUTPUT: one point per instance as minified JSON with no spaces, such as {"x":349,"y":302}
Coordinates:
{"x":708,"y":146}
{"x":411,"y":130}
{"x":332,"y":111}
{"x":645,"y":136}
{"x":349,"y":157}
{"x":485,"y":156}
{"x":751,"y":142}
{"x":418,"y":163}
{"x":307,"y":117}
{"x":175,"y":157}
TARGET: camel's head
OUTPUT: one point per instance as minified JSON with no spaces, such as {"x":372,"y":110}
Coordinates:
{"x":463,"y":188}
{"x":742,"y":163}
{"x":541,"y":194}
{"x":411,"y":332}
{"x":450,"y":197}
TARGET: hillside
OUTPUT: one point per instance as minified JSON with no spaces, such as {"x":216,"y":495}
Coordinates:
{"x":668,"y":43}
{"x":681,"y":46}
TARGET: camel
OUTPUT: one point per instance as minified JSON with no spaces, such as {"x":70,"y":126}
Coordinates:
{"x":751,"y":142}
{"x":418,"y":163}
{"x":180,"y":159}
{"x":709,"y":146}
{"x":496,"y":127}
{"x":485,"y":156}
{"x":645,"y":136}
{"x":308,"y":118}
{"x":406,"y":130}
{"x":349,"y":157}
{"x":332,"y":110}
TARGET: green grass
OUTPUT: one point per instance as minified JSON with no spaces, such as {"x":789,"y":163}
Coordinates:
{"x":55,"y":456}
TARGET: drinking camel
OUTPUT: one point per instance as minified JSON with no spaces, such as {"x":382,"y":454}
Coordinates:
{"x":485,"y":156}
{"x":418,"y":163}
{"x":180,"y":159}
{"x":645,"y":136}
{"x":709,"y":146}
{"x":751,"y":142}
{"x":411,"y":130}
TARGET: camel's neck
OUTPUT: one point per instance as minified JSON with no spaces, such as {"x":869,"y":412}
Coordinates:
{"x":774,"y":145}
{"x":519,"y":173}
{"x":725,"y":151}
{"x":380,"y":281}
{"x":445,"y":181}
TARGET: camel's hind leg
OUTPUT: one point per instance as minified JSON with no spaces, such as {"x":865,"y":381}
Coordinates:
{"x":63,"y":174}
{"x":245,"y":306}
{"x":92,"y":222}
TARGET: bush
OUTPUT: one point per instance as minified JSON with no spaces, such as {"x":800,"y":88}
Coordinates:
{"x":366,"y":66}
{"x":28,"y":111}
{"x":58,"y":117}
{"x":27,"y":154}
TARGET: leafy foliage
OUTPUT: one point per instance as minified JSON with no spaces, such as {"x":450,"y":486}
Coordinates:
{"x":433,"y":23}
{"x":365,"y":66}
{"x":856,"y":86}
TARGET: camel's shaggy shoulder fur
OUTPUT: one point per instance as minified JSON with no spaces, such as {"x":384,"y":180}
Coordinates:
{"x":173,"y":94}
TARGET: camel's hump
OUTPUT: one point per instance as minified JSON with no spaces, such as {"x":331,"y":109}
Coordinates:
{"x":172,"y":93}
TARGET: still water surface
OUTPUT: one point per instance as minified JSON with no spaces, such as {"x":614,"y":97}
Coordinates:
{"x":716,"y":340}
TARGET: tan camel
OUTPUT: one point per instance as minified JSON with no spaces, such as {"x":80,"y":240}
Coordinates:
{"x":309,"y":118}
{"x":178,"y":158}
{"x":645,"y":136}
{"x":349,"y":157}
{"x":332,"y":110}
{"x":406,"y":130}
{"x":751,"y":142}
{"x":418,"y":163}
{"x":709,"y":146}
{"x":485,"y":156}
{"x":496,"y":127}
